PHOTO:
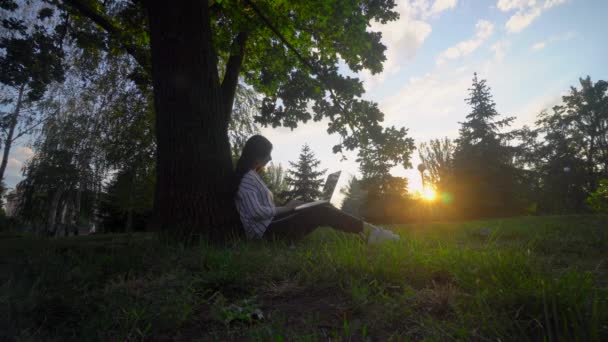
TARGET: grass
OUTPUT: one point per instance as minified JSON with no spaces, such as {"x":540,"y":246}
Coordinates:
{"x":530,"y":278}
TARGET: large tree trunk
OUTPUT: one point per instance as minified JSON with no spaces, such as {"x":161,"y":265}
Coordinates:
{"x":195,"y":180}
{"x":11,"y":132}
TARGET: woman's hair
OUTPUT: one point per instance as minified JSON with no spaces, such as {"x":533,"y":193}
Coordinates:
{"x":256,"y":148}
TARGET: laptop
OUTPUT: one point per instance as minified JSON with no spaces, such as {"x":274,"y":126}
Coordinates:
{"x":328,"y":190}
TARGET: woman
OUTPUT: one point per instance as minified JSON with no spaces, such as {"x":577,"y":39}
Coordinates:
{"x":259,"y":215}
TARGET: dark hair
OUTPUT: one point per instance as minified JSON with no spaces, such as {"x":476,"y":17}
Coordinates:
{"x":256,"y":148}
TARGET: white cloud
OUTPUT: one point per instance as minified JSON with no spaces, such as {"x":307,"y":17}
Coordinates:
{"x":539,"y":46}
{"x":442,"y":5}
{"x":483,"y":30}
{"x":500,"y":50}
{"x":557,"y":38}
{"x":550,"y":3}
{"x":526,"y":12}
{"x":14,"y":166}
{"x":527,"y":114}
{"x":406,"y":35}
{"x":428,"y":104}
{"x":521,"y":20}
{"x":402,"y":39}
{"x":508,"y":5}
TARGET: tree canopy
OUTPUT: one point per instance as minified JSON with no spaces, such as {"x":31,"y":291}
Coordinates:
{"x":195,"y":55}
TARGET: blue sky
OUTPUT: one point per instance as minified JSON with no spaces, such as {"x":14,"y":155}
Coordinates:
{"x":529,"y":51}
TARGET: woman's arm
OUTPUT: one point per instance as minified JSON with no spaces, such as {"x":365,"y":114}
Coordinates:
{"x":257,"y":210}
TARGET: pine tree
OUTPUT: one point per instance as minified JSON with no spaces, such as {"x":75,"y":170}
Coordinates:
{"x":354,"y":197}
{"x":484,"y":179}
{"x":480,"y":128}
{"x":304,"y":178}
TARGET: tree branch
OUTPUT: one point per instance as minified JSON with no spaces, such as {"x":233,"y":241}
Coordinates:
{"x":28,"y":129}
{"x":140,"y":55}
{"x":233,"y":67}
{"x":304,"y":61}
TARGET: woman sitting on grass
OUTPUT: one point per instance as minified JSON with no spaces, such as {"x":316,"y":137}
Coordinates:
{"x":259,"y":215}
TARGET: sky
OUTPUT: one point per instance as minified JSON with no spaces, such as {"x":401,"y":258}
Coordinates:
{"x":529,"y":51}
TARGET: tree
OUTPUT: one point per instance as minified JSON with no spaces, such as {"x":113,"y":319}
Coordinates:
{"x":564,"y":156}
{"x":354,"y":197}
{"x":304,"y":178}
{"x":586,"y":110}
{"x":598,"y":200}
{"x":82,"y":140}
{"x":555,"y":171}
{"x":242,"y":123}
{"x":437,"y":157}
{"x":127,"y":201}
{"x":385,"y":194}
{"x":31,"y":59}
{"x":484,"y":176}
{"x":287,"y":51}
{"x":377,"y":158}
{"x":275,"y":178}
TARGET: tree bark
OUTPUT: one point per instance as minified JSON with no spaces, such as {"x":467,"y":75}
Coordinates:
{"x":231,"y":78}
{"x":11,"y":131}
{"x":195,"y":182}
{"x":64,"y":212}
{"x":75,"y":217}
{"x":52,"y":213}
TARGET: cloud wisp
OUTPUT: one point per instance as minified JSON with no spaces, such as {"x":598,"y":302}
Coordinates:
{"x":526,"y":11}
{"x":404,"y":37}
{"x":483,"y":30}
{"x":553,"y":39}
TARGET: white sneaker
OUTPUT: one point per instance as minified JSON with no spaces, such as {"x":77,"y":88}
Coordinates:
{"x":379,"y":235}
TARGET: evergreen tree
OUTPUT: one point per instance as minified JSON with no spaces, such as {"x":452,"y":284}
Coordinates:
{"x":354,"y":197}
{"x":304,"y":178}
{"x":484,"y":175}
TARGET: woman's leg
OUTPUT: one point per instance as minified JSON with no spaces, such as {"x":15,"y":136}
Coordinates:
{"x":302,"y":223}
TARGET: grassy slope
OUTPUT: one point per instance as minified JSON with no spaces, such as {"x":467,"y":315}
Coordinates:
{"x":517,"y":279}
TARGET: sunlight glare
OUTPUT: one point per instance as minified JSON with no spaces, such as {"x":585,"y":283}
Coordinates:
{"x":429,"y":194}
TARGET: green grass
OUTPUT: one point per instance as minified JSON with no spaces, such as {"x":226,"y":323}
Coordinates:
{"x":529,"y":278}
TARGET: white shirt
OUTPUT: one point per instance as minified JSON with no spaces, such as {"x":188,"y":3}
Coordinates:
{"x":255,"y":205}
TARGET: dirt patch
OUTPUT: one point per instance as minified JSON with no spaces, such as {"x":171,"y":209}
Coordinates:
{"x":288,"y":309}
{"x":437,"y":300}
{"x":309,"y":308}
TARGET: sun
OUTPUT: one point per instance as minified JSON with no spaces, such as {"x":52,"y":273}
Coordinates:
{"x":429,"y":194}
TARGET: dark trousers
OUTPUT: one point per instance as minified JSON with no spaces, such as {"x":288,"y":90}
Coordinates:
{"x":296,"y":226}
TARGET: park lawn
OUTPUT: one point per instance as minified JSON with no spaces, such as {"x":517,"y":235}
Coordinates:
{"x":525,"y":278}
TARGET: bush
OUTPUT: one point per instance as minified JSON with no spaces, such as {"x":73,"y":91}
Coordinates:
{"x":598,"y":200}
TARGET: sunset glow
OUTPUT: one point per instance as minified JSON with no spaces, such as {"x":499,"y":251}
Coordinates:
{"x":429,"y":194}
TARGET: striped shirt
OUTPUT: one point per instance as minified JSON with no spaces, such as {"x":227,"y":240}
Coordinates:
{"x":255,"y":205}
